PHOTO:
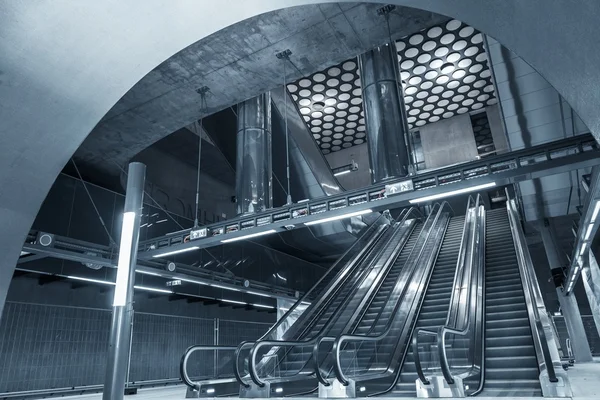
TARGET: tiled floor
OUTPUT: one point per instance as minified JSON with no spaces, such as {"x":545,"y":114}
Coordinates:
{"x":585,"y":382}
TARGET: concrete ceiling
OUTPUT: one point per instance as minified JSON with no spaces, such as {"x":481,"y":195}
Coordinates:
{"x":238,"y":63}
{"x":64,"y":65}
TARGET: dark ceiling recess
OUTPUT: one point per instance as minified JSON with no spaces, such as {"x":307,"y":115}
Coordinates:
{"x":444,"y":72}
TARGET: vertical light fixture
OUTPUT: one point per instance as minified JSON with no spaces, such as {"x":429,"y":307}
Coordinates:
{"x":124,"y":265}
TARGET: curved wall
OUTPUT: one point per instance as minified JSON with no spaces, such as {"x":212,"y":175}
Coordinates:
{"x":65,"y":63}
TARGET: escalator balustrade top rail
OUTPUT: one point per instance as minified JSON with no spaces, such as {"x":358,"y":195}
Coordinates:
{"x":183,"y":364}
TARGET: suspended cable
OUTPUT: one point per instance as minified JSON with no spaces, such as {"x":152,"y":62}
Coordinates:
{"x":112,"y":242}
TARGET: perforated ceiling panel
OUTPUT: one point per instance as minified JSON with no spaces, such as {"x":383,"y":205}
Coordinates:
{"x":444,"y":73}
{"x":330,"y":102}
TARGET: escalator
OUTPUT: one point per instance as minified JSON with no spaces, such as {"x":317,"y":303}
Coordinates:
{"x":511,"y":366}
{"x":284,"y":365}
{"x":377,"y":313}
{"x":435,"y":304}
{"x":368,"y":363}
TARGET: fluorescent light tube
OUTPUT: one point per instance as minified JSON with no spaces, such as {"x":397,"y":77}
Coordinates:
{"x":170,"y":253}
{"x":262,"y":305}
{"x":452,"y":193}
{"x":224,"y":287}
{"x":193,"y":281}
{"x":151,"y":289}
{"x":234,"y":301}
{"x":583,"y":248}
{"x":258,"y":294}
{"x":147,"y":273}
{"x":588,"y":232}
{"x":81,"y":278}
{"x":338,"y":217}
{"x":252,"y":235}
{"x":596,"y":211}
{"x":342,"y":173}
{"x":209,"y":391}
{"x":123,"y":266}
{"x":278,"y":390}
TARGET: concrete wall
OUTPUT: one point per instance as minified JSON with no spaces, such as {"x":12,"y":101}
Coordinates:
{"x":356,"y":179}
{"x":534,"y":114}
{"x":530,"y":105}
{"x":449,"y":141}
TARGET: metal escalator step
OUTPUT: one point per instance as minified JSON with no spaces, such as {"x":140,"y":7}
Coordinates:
{"x":508,"y":341}
{"x":505,"y":301}
{"x":505,"y":315}
{"x":510,"y":351}
{"x":511,"y":362}
{"x":513,"y":373}
{"x":505,"y":294}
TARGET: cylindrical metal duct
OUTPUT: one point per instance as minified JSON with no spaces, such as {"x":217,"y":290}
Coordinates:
{"x":385,"y":113}
{"x":253,"y":163}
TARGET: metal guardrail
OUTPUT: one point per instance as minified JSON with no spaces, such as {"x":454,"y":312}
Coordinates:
{"x":570,"y":153}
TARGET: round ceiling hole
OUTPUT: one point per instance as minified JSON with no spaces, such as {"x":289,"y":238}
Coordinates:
{"x":434,"y":32}
{"x":471,"y":51}
{"x":461,"y":44}
{"x":344,"y":97}
{"x":304,"y":93}
{"x":430,"y":75}
{"x":304,"y":102}
{"x":458,"y":74}
{"x":318,"y":97}
{"x":349,"y":65}
{"x":333,"y":82}
{"x":335,"y":71}
{"x":466,"y":31}
{"x":319,"y":77}
{"x":441,"y":51}
{"x":453,"y":25}
{"x":453,"y":57}
{"x":330,"y":102}
{"x":442,"y":79}
{"x":347,"y":77}
{"x":437,"y":63}
{"x":292,"y":88}
{"x":477,"y":39}
{"x":447,"y":38}
{"x":305,"y":110}
{"x":447,"y":68}
{"x":305,"y":83}
{"x":429,"y":45}
{"x":408,"y":64}
{"x":412,"y":52}
{"x":415,"y":39}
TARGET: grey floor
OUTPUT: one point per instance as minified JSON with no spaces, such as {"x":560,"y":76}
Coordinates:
{"x":585,"y":382}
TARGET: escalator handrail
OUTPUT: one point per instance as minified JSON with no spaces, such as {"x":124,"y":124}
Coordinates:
{"x":185,"y":358}
{"x":337,"y":345}
{"x":391,"y":261}
{"x":332,"y":287}
{"x":470,"y":229}
{"x":307,"y":342}
{"x":532,"y":289}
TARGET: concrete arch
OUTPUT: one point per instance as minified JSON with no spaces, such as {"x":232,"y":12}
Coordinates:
{"x":65,"y":63}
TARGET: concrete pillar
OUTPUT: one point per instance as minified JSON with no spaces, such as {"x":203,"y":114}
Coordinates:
{"x":122,"y":316}
{"x":568,"y":304}
{"x":385,"y":113}
{"x":253,"y":181}
{"x":591,"y":281}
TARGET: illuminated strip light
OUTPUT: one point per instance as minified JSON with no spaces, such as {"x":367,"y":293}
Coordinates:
{"x":258,"y":294}
{"x":452,"y":193}
{"x":338,"y":217}
{"x":224,"y":287}
{"x":252,"y":235}
{"x":588,"y":232}
{"x":170,"y":253}
{"x":148,"y":273}
{"x":192,"y":281}
{"x":278,"y":390}
{"x":209,"y":391}
{"x":234,"y":301}
{"x":596,"y":211}
{"x":583,"y":249}
{"x":262,"y":305}
{"x":123,"y":265}
{"x":342,"y":172}
{"x":151,"y":289}
{"x":81,"y":278}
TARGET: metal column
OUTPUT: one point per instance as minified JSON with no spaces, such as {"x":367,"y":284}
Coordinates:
{"x":591,"y":282}
{"x":120,"y":332}
{"x":253,"y":181}
{"x":568,"y":304}
{"x":385,"y":113}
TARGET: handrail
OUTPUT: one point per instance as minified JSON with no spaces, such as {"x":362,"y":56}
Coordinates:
{"x":293,"y":343}
{"x":326,"y":339}
{"x":376,"y":230}
{"x":337,"y":345}
{"x":475,"y":222}
{"x":186,"y":356}
{"x":531,"y":289}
